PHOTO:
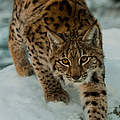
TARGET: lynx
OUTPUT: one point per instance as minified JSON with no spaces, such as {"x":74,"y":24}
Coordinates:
{"x":64,"y":43}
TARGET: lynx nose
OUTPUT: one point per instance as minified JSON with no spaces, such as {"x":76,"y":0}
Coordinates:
{"x":76,"y":77}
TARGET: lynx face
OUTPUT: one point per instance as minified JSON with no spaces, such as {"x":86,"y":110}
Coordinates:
{"x":78,"y":58}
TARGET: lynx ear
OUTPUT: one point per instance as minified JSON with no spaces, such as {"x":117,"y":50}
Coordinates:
{"x":93,"y":36}
{"x":55,"y":40}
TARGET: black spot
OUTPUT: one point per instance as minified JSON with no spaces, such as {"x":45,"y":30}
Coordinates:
{"x":94,"y":111}
{"x":87,"y":21}
{"x":38,"y":29}
{"x":49,"y":6}
{"x":45,"y":14}
{"x":61,"y":36}
{"x":54,"y":68}
{"x":60,"y":18}
{"x":40,"y":47}
{"x":39,"y":63}
{"x":94,"y":78}
{"x":28,"y":39}
{"x":37,"y":7}
{"x":18,"y":30}
{"x":34,"y":64}
{"x":83,"y":107}
{"x":47,"y":48}
{"x":66,"y":19}
{"x":86,"y":103}
{"x":28,"y":48}
{"x":47,"y":75}
{"x":19,"y":36}
{"x":56,"y":25}
{"x":103,"y":75}
{"x":95,"y":118}
{"x":30,"y":54}
{"x":95,"y":94}
{"x":67,"y":25}
{"x":61,"y":77}
{"x":103,"y":92}
{"x":37,"y":20}
{"x":34,"y":1}
{"x":38,"y":43}
{"x":102,"y":116}
{"x":98,"y":113}
{"x":37,"y":69}
{"x":100,"y":64}
{"x":42,"y":37}
{"x":13,"y":24}
{"x":32,"y":38}
{"x":17,"y":16}
{"x":43,"y":33}
{"x":51,"y":19}
{"x":88,"y":111}
{"x":90,"y":15}
{"x":66,"y":3}
{"x":103,"y":108}
{"x":52,"y":77}
{"x":46,"y":20}
{"x":28,"y":32}
{"x":42,"y":72}
{"x":32,"y":51}
{"x":27,"y":5}
{"x":94,"y":103}
{"x":40,"y":52}
{"x":61,"y":8}
{"x":35,"y":58}
{"x":87,"y":94}
{"x":12,"y":30}
{"x":46,"y":71}
{"x":90,"y":116}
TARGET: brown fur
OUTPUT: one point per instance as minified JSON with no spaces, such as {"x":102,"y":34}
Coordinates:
{"x":64,"y":42}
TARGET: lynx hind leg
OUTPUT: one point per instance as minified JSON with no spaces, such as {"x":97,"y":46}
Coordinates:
{"x":18,"y":53}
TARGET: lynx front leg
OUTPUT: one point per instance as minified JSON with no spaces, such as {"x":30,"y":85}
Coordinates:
{"x":94,"y":101}
{"x":52,"y":88}
{"x":18,"y":53}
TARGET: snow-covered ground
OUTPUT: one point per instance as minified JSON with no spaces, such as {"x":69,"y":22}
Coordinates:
{"x":22,"y":98}
{"x":106,"y":11}
{"x":5,"y":15}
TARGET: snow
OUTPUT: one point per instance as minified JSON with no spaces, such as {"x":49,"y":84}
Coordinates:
{"x":21,"y":98}
{"x":111,"y":44}
{"x":106,"y":11}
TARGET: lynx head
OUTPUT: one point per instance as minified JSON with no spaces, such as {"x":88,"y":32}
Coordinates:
{"x":75,"y":57}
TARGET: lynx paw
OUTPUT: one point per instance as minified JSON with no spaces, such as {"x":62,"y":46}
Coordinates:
{"x":60,"y":96}
{"x":25,"y":70}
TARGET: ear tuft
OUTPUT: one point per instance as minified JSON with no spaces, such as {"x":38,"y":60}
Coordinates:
{"x":93,"y":36}
{"x":54,"y":39}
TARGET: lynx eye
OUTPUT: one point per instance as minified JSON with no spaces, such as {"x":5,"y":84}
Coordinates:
{"x":84,"y":59}
{"x":65,"y":61}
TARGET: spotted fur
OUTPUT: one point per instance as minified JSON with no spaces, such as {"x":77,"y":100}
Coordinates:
{"x":64,"y":42}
